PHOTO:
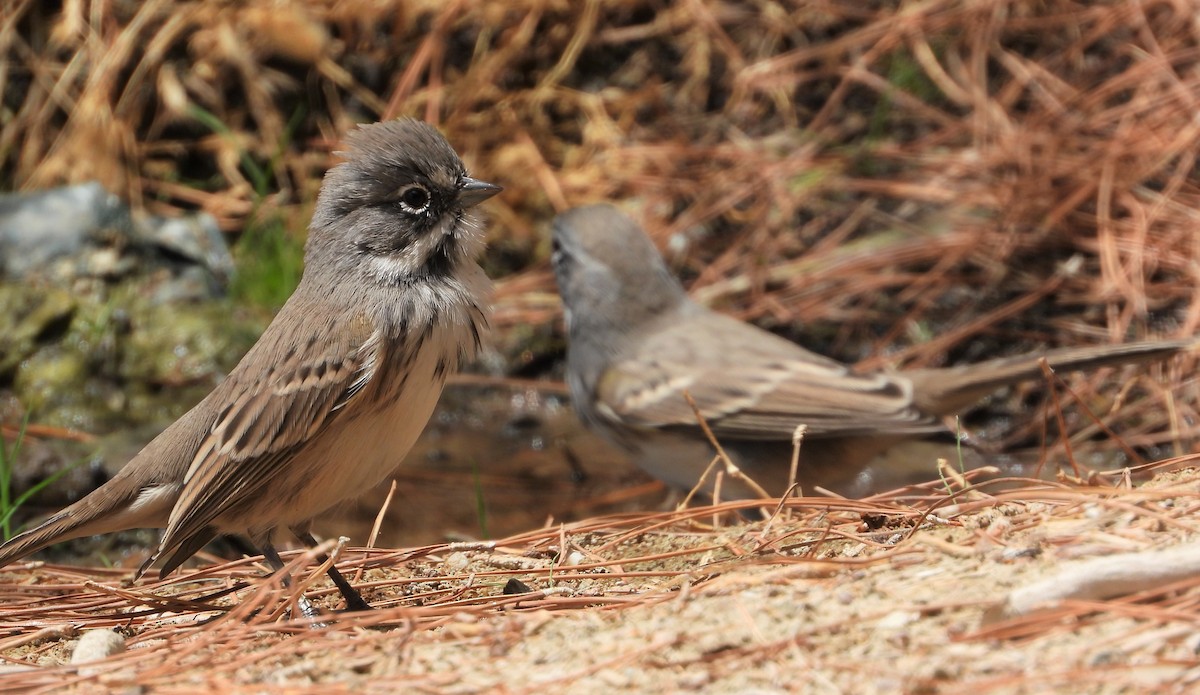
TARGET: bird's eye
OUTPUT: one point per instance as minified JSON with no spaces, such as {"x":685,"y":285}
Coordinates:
{"x":414,"y":198}
{"x":556,"y":252}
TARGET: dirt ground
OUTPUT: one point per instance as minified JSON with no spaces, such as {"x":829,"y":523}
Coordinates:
{"x":907,"y":592}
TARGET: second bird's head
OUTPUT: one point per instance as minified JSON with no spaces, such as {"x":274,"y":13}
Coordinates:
{"x":608,"y":271}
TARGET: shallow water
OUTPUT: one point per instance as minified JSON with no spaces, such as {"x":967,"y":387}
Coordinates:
{"x":497,"y":459}
{"x":500,"y":457}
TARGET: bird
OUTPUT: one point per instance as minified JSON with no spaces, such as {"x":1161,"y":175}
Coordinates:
{"x":340,"y":384}
{"x":638,"y":347}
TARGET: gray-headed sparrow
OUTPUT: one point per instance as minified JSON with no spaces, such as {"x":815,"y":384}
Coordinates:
{"x":637,"y":344}
{"x":336,"y":390}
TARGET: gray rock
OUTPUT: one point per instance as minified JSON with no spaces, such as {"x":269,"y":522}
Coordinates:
{"x":195,"y":238}
{"x":37,"y":229}
{"x":66,"y":234}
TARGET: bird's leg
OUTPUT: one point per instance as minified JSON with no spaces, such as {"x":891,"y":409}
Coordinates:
{"x":354,"y":600}
{"x":276,"y":564}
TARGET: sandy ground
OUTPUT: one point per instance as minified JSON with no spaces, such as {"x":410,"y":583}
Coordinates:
{"x":900,"y":594}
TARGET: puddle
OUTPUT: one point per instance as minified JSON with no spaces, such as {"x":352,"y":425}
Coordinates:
{"x":516,"y":449}
{"x":501,"y":457}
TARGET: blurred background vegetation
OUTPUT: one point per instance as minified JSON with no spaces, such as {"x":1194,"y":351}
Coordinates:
{"x":843,"y":164}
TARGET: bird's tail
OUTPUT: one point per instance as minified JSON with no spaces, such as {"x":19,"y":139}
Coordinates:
{"x":115,"y":506}
{"x":63,"y":526}
{"x":949,"y":390}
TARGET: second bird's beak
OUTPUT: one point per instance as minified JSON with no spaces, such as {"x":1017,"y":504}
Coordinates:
{"x":472,"y":192}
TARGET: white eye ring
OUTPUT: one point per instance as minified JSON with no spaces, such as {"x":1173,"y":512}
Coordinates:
{"x":413,"y":198}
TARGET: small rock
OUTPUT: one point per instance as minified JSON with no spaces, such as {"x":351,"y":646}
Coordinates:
{"x":96,"y":645}
{"x":195,"y":238}
{"x":897,"y":620}
{"x":457,"y":563}
{"x":65,"y":234}
{"x":39,"y":228}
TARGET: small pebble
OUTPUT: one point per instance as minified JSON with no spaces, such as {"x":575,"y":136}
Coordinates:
{"x":96,"y":645}
{"x":897,"y":619}
{"x":515,"y":586}
{"x":457,"y":562}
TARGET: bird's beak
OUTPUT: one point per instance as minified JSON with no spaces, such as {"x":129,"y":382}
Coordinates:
{"x":472,"y":192}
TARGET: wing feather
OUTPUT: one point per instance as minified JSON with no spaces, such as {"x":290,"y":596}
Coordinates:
{"x":272,"y":414}
{"x":749,"y":384}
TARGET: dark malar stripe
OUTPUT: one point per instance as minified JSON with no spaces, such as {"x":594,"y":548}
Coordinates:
{"x":440,"y":263}
{"x":393,"y":371}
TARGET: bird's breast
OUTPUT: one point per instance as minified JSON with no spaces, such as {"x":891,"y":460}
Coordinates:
{"x":365,"y":444}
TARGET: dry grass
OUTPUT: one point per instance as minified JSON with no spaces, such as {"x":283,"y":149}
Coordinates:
{"x":896,"y":154}
{"x":892,"y":185}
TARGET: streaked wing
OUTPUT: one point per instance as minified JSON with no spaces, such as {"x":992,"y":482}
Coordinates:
{"x":750,"y":384}
{"x":296,"y":389}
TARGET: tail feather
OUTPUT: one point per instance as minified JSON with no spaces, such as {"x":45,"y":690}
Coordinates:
{"x":115,"y":506}
{"x":63,"y":526}
{"x":140,"y":495}
{"x":185,"y":550}
{"x":51,"y":531}
{"x":946,"y":391}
